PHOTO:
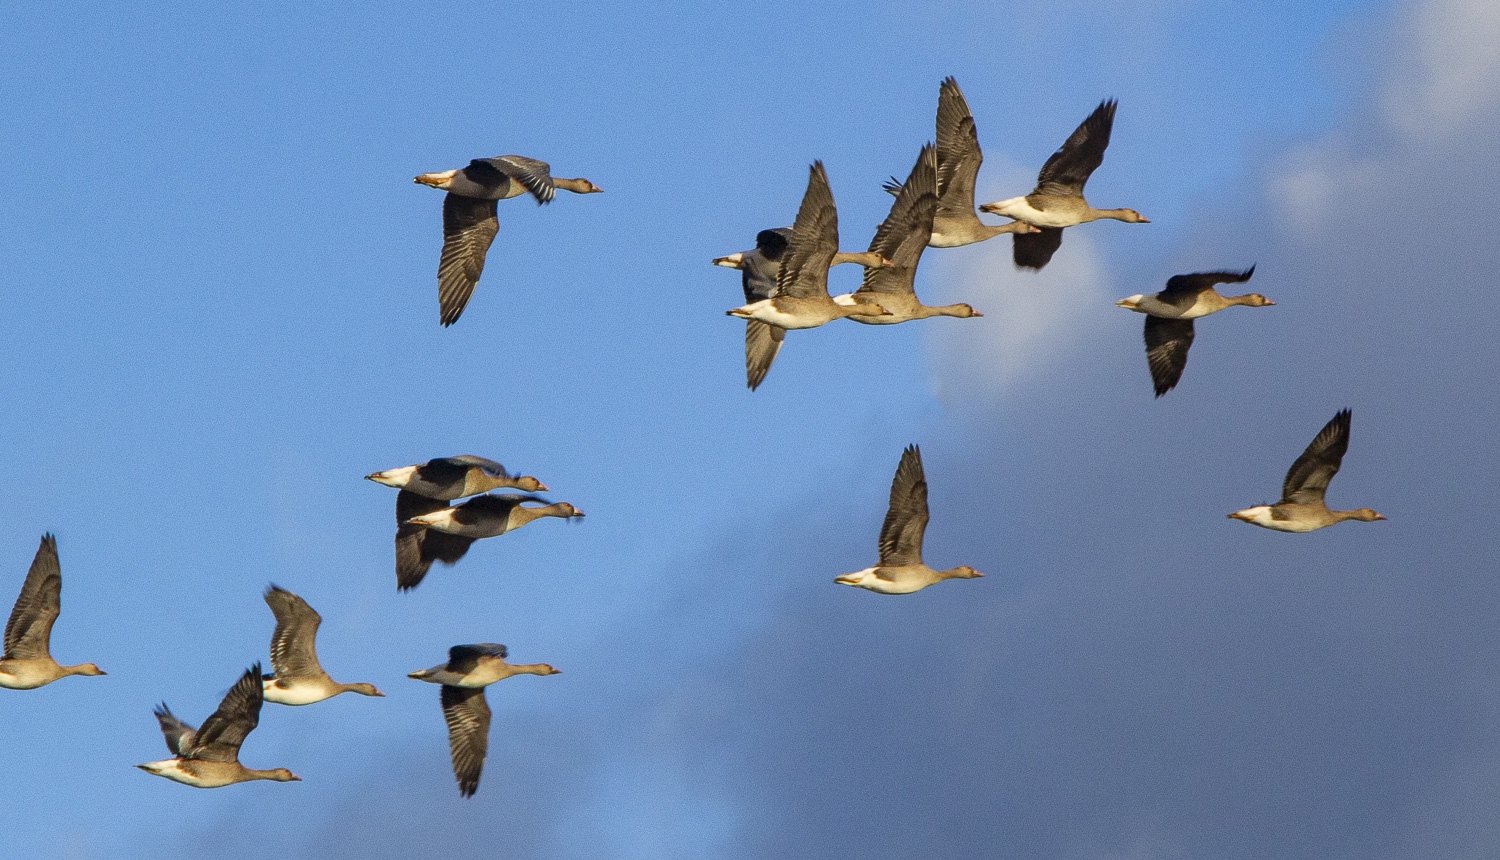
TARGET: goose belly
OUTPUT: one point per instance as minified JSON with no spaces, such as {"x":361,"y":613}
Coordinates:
{"x":172,"y":769}
{"x":1054,"y":216}
{"x":297,"y":694}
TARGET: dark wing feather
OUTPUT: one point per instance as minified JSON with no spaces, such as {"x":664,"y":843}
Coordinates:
{"x":29,"y":629}
{"x":958,"y":153}
{"x":772,"y":243}
{"x":469,"y":226}
{"x":1035,"y":250}
{"x":1167,"y":343}
{"x":904,"y":233}
{"x":1192,"y":285}
{"x":464,"y":659}
{"x":293,"y":649}
{"x":1069,"y":168}
{"x":762,"y":343}
{"x":815,"y":239}
{"x":220,"y":736}
{"x":179,"y":735}
{"x":535,"y":176}
{"x":417,"y":547}
{"x":468,"y":717}
{"x":490,"y":467}
{"x":1307,"y":480}
{"x":906,"y":518}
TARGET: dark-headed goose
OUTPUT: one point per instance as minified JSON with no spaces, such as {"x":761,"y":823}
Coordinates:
{"x":209,"y":757}
{"x":1170,"y":314}
{"x":759,"y":269}
{"x":471,"y":668}
{"x":1057,"y":201}
{"x":901,"y":237}
{"x":958,"y":160}
{"x":802,"y":299}
{"x":901,"y":570}
{"x":450,"y":478}
{"x":27,"y":662}
{"x":1302,"y":508}
{"x":299,"y":678}
{"x":469,"y":224}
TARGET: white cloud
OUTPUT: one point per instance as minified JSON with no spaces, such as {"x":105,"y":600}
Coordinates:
{"x":1451,"y":75}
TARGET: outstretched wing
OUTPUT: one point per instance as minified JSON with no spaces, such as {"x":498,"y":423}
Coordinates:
{"x":1192,"y":285}
{"x":815,"y":239}
{"x":30,"y":626}
{"x":1069,"y":168}
{"x":1035,"y":250}
{"x":906,"y":518}
{"x":904,"y":233}
{"x":468,"y":717}
{"x":220,"y":736}
{"x":958,"y":153}
{"x":469,"y":226}
{"x":535,"y":176}
{"x":293,"y":650}
{"x":417,"y":547}
{"x":464,"y":659}
{"x":762,"y":343}
{"x":1167,"y":343}
{"x":490,"y":467}
{"x":1307,"y":480}
{"x":179,"y":735}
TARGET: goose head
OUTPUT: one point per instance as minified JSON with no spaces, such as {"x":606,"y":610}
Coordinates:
{"x":963,"y":571}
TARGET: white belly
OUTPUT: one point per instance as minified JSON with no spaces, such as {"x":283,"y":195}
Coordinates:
{"x":299,"y":694}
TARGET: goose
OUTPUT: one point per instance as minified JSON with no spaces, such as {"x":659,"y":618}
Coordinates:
{"x":958,"y":160}
{"x":901,"y":570}
{"x":1170,"y":314}
{"x":469,"y":223}
{"x":802,"y":299}
{"x":1302,"y":508}
{"x":299,"y":679}
{"x":758,"y":270}
{"x":208,"y":757}
{"x":450,"y":478}
{"x":901,"y":237}
{"x":459,"y":526}
{"x":1057,"y":201}
{"x":471,"y":668}
{"x":27,"y":662}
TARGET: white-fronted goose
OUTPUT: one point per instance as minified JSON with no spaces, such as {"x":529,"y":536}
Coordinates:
{"x":450,"y":530}
{"x":901,"y":570}
{"x":900,"y":238}
{"x":299,"y":678}
{"x":27,"y":662}
{"x":958,"y":160}
{"x":209,"y":757}
{"x":1057,"y":201}
{"x":450,"y":478}
{"x":759,"y":269}
{"x":469,"y":223}
{"x":802,"y":299}
{"x":471,"y":668}
{"x":1170,"y":314}
{"x":1302,"y":508}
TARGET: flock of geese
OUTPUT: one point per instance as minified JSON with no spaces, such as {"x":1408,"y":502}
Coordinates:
{"x":785,"y":283}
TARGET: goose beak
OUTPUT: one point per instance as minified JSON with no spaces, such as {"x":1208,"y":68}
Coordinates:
{"x":577,"y":513}
{"x":1269,"y":303}
{"x":541,"y":487}
{"x":1377,"y":516}
{"x":886,"y":264}
{"x":595,"y":189}
{"x":976,"y":314}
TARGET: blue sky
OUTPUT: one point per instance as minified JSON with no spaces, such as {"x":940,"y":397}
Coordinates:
{"x":222,"y":314}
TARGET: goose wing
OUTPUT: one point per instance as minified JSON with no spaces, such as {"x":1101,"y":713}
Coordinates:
{"x":468,"y":717}
{"x":418,"y":547}
{"x":762,"y":343}
{"x":220,"y":736}
{"x":904,"y":233}
{"x":1069,"y":168}
{"x":469,"y":461}
{"x":1198,"y":282}
{"x":814,"y":241}
{"x":535,"y":176}
{"x":469,"y":226}
{"x":1307,"y":480}
{"x":464,"y":659}
{"x":29,"y":629}
{"x":906,"y":518}
{"x":179,"y":735}
{"x":1167,"y":343}
{"x":1035,"y":250}
{"x":293,"y":651}
{"x":958,"y":154}
{"x":761,"y":267}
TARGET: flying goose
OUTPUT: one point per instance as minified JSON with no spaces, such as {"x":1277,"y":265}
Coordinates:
{"x":208,"y":757}
{"x":471,"y":668}
{"x":417,"y":546}
{"x":1170,"y":314}
{"x":450,"y":478}
{"x":299,"y":679}
{"x":958,"y":160}
{"x":469,"y":224}
{"x":27,"y":662}
{"x":1057,"y":201}
{"x":901,"y":570}
{"x":901,"y":237}
{"x":758,"y":271}
{"x":1302,"y":508}
{"x":802,"y":299}
{"x":443,"y":533}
